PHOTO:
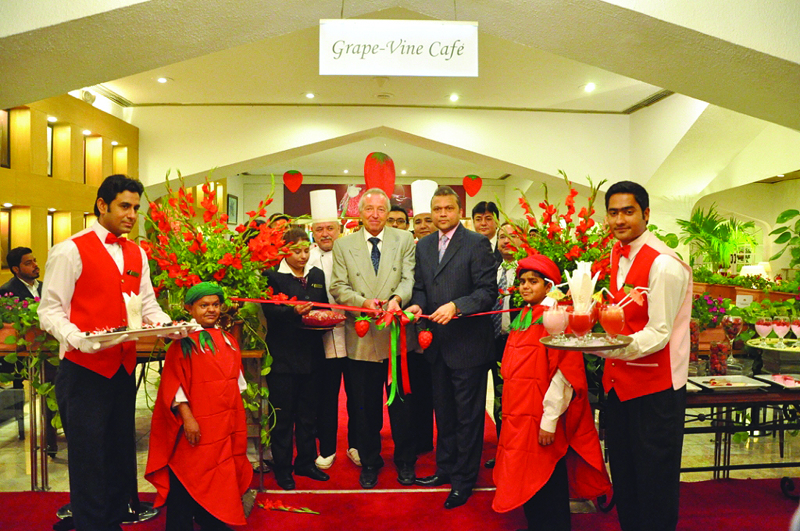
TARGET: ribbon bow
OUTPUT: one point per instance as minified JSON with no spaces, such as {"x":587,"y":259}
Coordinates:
{"x":398,"y":320}
{"x":110,"y":238}
{"x":623,"y":250}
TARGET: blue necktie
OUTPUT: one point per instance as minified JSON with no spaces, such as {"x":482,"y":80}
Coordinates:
{"x":376,"y":253}
{"x":497,"y":318}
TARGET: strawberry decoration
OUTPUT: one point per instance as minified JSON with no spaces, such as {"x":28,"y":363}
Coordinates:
{"x":379,"y":172}
{"x":292,"y":179}
{"x":362,"y":326}
{"x":425,"y":337}
{"x":472,"y":184}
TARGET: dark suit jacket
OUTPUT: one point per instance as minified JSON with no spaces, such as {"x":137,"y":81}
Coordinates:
{"x":18,"y":289}
{"x":294,"y":350}
{"x":467,"y":276}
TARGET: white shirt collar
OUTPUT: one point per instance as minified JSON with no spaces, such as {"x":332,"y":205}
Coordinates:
{"x":367,"y":235}
{"x":638,"y":243}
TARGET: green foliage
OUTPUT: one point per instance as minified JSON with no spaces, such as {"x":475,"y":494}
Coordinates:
{"x":669,"y":238}
{"x":708,"y":310}
{"x":714,"y":237}
{"x":788,"y":236}
{"x":707,"y":276}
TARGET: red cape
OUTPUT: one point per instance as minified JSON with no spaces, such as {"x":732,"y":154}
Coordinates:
{"x":216,"y":472}
{"x":523,"y":466}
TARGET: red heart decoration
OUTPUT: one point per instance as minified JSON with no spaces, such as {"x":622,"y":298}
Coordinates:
{"x":292,"y":179}
{"x":472,"y":184}
{"x":379,"y":172}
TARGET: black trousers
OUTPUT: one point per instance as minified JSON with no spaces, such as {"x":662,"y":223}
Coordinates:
{"x":98,"y":418}
{"x":548,"y":509}
{"x":419,"y":375}
{"x":182,"y":509}
{"x":329,"y":382}
{"x":294,"y":397}
{"x":497,"y":410}
{"x":459,"y":399}
{"x":644,"y":438}
{"x":369,"y":380}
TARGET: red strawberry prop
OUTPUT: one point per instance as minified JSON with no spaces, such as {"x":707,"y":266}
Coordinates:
{"x":425,"y":337}
{"x":472,"y":184}
{"x":362,"y":326}
{"x":379,"y":172}
{"x":292,"y":179}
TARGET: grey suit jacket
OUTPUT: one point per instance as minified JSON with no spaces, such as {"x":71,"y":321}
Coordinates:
{"x":467,"y":276}
{"x":354,"y":281}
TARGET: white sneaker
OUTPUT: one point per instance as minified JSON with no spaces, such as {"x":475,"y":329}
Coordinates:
{"x":324,"y":463}
{"x":352,"y":453}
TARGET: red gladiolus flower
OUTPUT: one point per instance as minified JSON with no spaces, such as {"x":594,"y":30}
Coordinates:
{"x":219,"y":275}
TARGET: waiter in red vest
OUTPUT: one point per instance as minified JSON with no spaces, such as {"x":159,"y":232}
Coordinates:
{"x":646,"y":381}
{"x":85,"y":278}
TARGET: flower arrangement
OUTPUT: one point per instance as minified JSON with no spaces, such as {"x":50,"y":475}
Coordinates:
{"x":569,"y":237}
{"x":187,"y":247}
{"x":708,"y":310}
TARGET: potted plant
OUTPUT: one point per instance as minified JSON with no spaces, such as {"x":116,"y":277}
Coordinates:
{"x":714,"y":238}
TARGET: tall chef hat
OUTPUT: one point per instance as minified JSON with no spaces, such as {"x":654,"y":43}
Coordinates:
{"x":421,"y":195}
{"x":323,"y":205}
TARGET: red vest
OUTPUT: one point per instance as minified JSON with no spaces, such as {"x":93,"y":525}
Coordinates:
{"x":652,"y":373}
{"x":97,"y":301}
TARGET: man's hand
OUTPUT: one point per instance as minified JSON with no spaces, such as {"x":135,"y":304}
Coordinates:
{"x":546,"y":437}
{"x":90,"y":345}
{"x":302,"y":309}
{"x":444,"y":313}
{"x":180,"y":334}
{"x":415,"y":309}
{"x":392,"y":305}
{"x":373,"y":304}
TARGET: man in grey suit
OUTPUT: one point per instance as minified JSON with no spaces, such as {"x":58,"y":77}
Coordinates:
{"x":456,"y":275}
{"x":374,"y":268}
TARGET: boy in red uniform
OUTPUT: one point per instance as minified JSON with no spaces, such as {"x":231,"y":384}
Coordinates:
{"x":548,"y":447}
{"x":197,"y":458}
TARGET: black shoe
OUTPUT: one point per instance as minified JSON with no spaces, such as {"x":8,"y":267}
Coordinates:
{"x":285,"y":480}
{"x":405,"y":474}
{"x":369,"y":477}
{"x":489,"y":463}
{"x":311,"y":471}
{"x":52,"y":451}
{"x":457,"y":498}
{"x":433,"y":481}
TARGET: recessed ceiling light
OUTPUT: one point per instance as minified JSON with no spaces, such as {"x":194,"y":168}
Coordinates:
{"x":346,"y":171}
{"x":589,"y":87}
{"x":52,"y":119}
{"x":780,"y":175}
{"x":114,"y":143}
{"x":163,"y":80}
{"x":51,"y":209}
{"x":453,"y":97}
{"x":85,"y":213}
{"x":402,"y":172}
{"x":86,"y":132}
{"x":8,"y":205}
{"x":310,"y":95}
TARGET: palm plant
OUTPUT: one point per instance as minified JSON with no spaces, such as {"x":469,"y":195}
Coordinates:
{"x":713,"y":237}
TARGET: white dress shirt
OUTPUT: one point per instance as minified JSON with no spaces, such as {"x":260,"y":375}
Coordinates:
{"x":556,"y":401}
{"x":63,"y":269}
{"x":333,"y":341}
{"x":367,"y":236}
{"x":510,"y":274}
{"x":667,"y":283}
{"x":32,"y":288}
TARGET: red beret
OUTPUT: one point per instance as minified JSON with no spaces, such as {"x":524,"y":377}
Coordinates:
{"x":541,"y":264}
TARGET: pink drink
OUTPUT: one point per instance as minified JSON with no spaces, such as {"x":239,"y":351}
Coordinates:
{"x":581,"y":323}
{"x":763,"y":327}
{"x":555,"y":321}
{"x":796,"y":328}
{"x":612,"y":319}
{"x":781,"y":328}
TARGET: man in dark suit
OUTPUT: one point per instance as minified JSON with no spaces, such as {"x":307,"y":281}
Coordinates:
{"x":25,"y":285}
{"x":484,"y":218}
{"x":456,"y":275}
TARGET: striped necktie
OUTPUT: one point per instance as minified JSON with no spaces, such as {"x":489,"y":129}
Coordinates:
{"x":376,"y":253}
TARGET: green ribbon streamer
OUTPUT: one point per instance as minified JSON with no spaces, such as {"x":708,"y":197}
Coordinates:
{"x":205,"y":341}
{"x":524,"y":320}
{"x":395,"y":339}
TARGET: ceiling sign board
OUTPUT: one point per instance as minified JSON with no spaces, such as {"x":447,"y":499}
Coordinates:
{"x":356,"y":47}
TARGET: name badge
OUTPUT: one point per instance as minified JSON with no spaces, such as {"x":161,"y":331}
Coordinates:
{"x":317,"y":286}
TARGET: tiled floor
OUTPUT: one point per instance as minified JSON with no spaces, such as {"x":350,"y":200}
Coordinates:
{"x":698,"y":451}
